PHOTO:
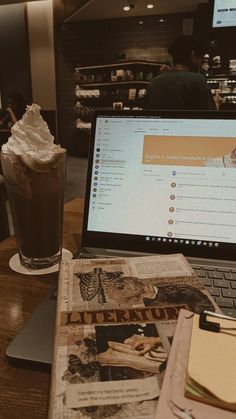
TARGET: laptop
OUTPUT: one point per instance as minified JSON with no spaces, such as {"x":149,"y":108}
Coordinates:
{"x":157,"y":182}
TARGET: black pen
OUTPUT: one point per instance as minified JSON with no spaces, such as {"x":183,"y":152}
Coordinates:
{"x":213,"y":326}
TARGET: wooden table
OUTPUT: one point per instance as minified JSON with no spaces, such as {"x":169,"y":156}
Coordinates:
{"x":24,"y":393}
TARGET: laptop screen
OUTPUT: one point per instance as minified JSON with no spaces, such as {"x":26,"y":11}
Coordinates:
{"x":162,"y":182}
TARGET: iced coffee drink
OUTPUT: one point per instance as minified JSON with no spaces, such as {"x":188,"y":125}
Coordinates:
{"x":34,"y":171}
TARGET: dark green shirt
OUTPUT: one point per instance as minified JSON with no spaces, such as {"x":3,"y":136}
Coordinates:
{"x":179,"y":90}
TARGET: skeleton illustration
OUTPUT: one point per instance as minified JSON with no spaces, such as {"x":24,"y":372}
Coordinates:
{"x":94,"y":283}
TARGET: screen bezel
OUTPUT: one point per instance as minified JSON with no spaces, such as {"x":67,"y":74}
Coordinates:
{"x":132,"y":243}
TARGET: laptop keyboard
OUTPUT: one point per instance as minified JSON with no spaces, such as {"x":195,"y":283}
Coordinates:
{"x":221,"y":283}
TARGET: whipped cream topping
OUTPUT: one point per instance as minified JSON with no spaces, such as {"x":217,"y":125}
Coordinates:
{"x":31,"y":137}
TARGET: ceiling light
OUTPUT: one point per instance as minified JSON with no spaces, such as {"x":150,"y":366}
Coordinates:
{"x":126,"y":8}
{"x":150,"y":6}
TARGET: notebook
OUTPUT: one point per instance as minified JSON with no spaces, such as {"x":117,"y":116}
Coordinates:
{"x":157,"y":182}
{"x":173,"y":402}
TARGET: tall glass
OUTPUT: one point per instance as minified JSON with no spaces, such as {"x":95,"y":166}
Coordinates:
{"x":36,"y":195}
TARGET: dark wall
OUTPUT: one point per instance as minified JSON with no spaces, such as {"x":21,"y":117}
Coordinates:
{"x":65,"y":8}
{"x":103,"y":42}
{"x":221,"y":40}
{"x":14,"y":52}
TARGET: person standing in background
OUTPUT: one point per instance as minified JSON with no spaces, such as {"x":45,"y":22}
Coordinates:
{"x":182,"y":87}
{"x":16,"y":106}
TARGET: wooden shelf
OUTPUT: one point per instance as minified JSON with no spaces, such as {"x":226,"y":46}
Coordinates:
{"x":121,"y":64}
{"x":115,"y":83}
{"x":218,"y":78}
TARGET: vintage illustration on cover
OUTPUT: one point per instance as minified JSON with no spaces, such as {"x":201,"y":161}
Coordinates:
{"x":115,"y":323}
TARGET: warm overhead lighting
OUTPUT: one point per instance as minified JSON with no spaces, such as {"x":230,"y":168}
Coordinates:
{"x":130,"y":5}
{"x":161,"y":20}
{"x":150,"y":6}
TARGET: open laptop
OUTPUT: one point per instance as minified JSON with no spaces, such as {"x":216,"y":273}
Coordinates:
{"x":157,"y":182}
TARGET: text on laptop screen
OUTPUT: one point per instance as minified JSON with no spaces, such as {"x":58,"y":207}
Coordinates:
{"x":167,"y":179}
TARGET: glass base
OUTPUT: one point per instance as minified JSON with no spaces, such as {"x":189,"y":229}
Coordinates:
{"x":40,"y":263}
{"x":16,"y":265}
